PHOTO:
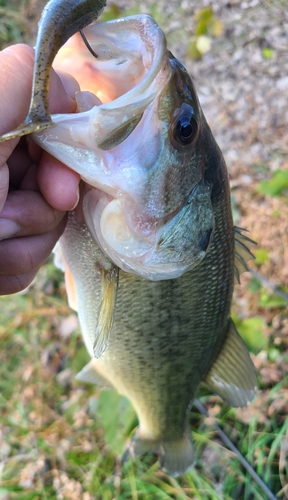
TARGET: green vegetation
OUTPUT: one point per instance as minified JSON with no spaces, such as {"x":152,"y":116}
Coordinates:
{"x":261,"y":255}
{"x":207,"y":27}
{"x":267,"y":53}
{"x":10,"y":26}
{"x":18,"y":21}
{"x":252,"y":331}
{"x":277,"y":185}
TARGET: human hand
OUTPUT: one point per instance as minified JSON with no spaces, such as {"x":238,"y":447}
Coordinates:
{"x":36,"y":190}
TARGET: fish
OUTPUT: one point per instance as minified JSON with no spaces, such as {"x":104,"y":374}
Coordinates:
{"x":150,"y":253}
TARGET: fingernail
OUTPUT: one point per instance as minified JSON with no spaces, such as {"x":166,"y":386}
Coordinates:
{"x":8,"y":228}
{"x":77,"y":196}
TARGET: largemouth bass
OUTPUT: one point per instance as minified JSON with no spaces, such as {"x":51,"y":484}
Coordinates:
{"x":150,"y":253}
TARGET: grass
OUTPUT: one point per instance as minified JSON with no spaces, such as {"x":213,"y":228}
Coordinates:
{"x":55,"y":440}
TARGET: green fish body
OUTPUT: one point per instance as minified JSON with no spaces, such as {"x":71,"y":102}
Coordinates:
{"x":167,"y":336}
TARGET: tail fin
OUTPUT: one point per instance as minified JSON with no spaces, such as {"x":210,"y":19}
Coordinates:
{"x":176,"y":457}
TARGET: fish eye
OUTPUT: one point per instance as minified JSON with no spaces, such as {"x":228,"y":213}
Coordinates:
{"x":184,"y":128}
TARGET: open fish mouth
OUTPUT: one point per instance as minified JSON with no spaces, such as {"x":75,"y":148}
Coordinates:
{"x":145,"y":201}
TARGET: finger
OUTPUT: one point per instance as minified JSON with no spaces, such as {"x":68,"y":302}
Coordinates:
{"x":70,"y":85}
{"x":59,"y":100}
{"x":16,"y":71}
{"x":12,"y":284}
{"x":25,"y":255}
{"x":58,"y":184}
{"x":29,"y":181}
{"x":26,"y":213}
{"x":19,"y":164}
{"x":17,"y":62}
{"x":16,"y":80}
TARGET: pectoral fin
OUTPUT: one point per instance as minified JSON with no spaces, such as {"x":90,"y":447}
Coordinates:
{"x":243,"y":244}
{"x":232,"y":375}
{"x":109,"y":285}
{"x":92,"y":281}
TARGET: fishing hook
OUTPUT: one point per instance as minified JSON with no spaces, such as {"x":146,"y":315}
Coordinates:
{"x":87,"y":44}
{"x":201,"y":408}
{"x":268,"y":284}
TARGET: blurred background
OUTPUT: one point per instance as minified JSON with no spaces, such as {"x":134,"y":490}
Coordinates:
{"x":62,"y":440}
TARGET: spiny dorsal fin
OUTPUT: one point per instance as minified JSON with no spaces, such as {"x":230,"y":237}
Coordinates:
{"x":242,"y":253}
{"x":232,"y":375}
{"x":109,"y":285}
{"x":90,"y":375}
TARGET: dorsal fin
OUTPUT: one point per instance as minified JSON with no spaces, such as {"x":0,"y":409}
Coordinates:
{"x":242,"y":252}
{"x":232,"y":375}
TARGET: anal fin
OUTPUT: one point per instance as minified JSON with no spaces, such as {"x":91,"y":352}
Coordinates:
{"x":233,"y":375}
{"x":243,"y":244}
{"x":90,"y":375}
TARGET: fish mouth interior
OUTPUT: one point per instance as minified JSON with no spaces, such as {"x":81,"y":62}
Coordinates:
{"x":130,"y":52}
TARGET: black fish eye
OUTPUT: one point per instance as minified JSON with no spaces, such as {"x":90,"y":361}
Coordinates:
{"x":185,"y":127}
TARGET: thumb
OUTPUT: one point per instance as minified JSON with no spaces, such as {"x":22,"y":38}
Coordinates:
{"x":62,"y":93}
{"x":16,"y":64}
